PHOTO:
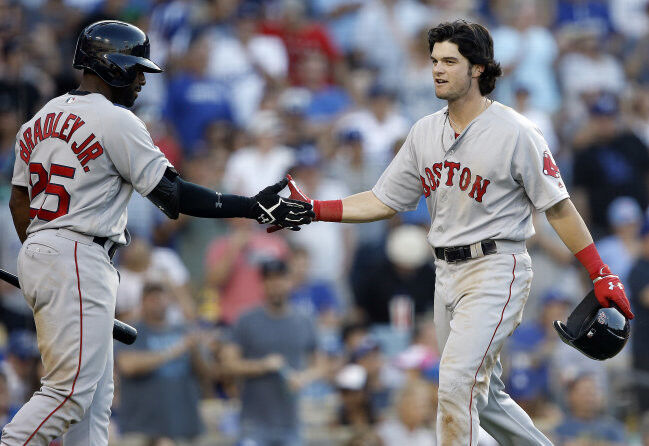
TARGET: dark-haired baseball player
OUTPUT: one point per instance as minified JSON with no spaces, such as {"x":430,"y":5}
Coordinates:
{"x":483,"y":169}
{"x":77,"y":162}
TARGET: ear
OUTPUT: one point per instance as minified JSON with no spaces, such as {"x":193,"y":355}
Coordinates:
{"x":478,"y":70}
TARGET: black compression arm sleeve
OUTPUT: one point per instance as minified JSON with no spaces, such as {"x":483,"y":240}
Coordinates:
{"x":199,"y":201}
{"x":175,"y":196}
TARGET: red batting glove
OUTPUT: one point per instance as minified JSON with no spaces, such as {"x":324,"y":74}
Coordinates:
{"x":330,"y":210}
{"x":608,"y":288}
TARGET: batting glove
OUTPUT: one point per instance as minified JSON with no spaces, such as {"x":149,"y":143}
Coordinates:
{"x":270,"y":208}
{"x":609,"y":290}
{"x":296,"y":194}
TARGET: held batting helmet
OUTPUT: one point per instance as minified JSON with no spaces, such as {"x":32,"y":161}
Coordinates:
{"x":115,"y":51}
{"x":599,"y":333}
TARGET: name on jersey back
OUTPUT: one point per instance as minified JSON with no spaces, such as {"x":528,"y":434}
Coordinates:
{"x":85,"y":150}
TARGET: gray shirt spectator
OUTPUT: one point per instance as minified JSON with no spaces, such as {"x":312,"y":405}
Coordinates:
{"x":270,"y":350}
{"x":265,"y":399}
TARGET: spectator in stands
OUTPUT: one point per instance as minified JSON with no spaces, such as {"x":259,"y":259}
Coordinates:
{"x":21,"y":367}
{"x":160,"y":374}
{"x":413,"y":423}
{"x":15,"y":314}
{"x":416,"y":97}
{"x":637,"y":60}
{"x":251,"y":168}
{"x":232,"y":267}
{"x":316,"y":299}
{"x":274,"y":352}
{"x":7,"y":411}
{"x":9,"y":126}
{"x":327,"y":101}
{"x":330,"y":249}
{"x":551,"y":258}
{"x":638,"y":288}
{"x":141,"y":263}
{"x":527,"y":52}
{"x":610,"y":162}
{"x":522,"y":103}
{"x":383,"y":30}
{"x":352,"y":335}
{"x":340,"y":17}
{"x":639,"y":113}
{"x":355,"y":404}
{"x":583,"y":13}
{"x":401,"y":285}
{"x":17,"y":80}
{"x":297,"y":132}
{"x":587,"y":69}
{"x":380,"y":125}
{"x":195,"y":236}
{"x":530,"y":353}
{"x":349,"y":165}
{"x":369,"y":356}
{"x":248,"y":62}
{"x":195,"y":100}
{"x":585,"y":423}
{"x":620,"y":249}
{"x":302,"y":36}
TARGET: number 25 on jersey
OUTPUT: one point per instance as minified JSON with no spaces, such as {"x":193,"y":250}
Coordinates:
{"x":44,"y":184}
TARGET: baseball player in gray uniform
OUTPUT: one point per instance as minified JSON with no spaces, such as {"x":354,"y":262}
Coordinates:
{"x":483,"y":169}
{"x":77,"y":162}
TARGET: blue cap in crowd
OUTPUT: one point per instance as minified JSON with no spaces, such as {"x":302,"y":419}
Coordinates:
{"x":351,"y":135}
{"x":606,"y":104}
{"x":552,"y":296}
{"x":22,"y":343}
{"x":624,"y":211}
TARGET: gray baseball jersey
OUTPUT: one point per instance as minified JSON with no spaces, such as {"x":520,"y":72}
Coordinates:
{"x":81,"y":156}
{"x":481,"y":185}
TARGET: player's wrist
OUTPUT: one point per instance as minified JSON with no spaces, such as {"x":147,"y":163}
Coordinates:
{"x":590,"y":259}
{"x":328,"y":210}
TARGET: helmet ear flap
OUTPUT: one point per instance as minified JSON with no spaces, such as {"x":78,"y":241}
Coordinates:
{"x":562,"y":330}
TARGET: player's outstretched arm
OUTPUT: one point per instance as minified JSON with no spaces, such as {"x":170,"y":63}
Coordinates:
{"x":364,"y":207}
{"x":175,"y":196}
{"x":569,"y":225}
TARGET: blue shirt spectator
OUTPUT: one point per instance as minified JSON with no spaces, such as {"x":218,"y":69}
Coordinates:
{"x":585,"y":420}
{"x":193,"y":103}
{"x":194,"y":100}
{"x":160,"y":391}
{"x":584,"y":13}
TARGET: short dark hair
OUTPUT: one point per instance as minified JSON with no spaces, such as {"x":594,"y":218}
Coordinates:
{"x":475,"y":43}
{"x":152,"y":288}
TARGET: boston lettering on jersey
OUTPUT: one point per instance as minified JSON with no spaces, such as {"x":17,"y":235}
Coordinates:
{"x":455,"y":174}
{"x":55,"y":126}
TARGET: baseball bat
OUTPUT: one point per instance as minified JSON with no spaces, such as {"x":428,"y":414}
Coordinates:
{"x":122,"y":332}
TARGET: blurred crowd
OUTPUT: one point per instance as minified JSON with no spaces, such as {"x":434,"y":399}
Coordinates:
{"x":324,"y":336}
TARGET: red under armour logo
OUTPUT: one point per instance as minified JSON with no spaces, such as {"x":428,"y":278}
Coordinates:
{"x":549,"y":168}
{"x":619,"y":285}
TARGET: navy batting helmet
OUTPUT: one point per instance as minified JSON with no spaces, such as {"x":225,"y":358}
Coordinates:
{"x":599,"y":333}
{"x":115,"y":51}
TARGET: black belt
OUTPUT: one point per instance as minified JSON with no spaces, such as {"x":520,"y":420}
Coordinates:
{"x":460,"y":253}
{"x":101,"y":241}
